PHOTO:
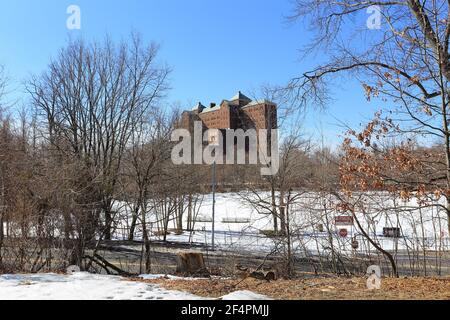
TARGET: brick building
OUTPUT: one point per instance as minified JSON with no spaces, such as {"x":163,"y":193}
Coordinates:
{"x":239,"y":112}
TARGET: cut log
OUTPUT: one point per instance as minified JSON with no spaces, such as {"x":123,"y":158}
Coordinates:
{"x":268,"y":275}
{"x":263,"y":275}
{"x":191,"y":264}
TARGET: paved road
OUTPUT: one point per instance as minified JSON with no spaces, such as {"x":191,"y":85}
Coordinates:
{"x":127,"y":255}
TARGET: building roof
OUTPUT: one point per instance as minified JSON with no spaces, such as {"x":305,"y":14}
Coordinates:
{"x":259,"y":102}
{"x":198,"y":106}
{"x":215,"y":108}
{"x":240,"y":96}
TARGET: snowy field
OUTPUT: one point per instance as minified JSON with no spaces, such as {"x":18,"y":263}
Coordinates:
{"x":239,"y":225}
{"x":85,"y":286}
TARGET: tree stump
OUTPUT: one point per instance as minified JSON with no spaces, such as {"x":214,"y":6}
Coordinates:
{"x":191,"y":264}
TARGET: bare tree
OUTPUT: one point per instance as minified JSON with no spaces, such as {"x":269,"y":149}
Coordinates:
{"x":406,"y":62}
{"x":292,"y":181}
{"x":146,"y":157}
{"x":2,"y":171}
{"x":89,"y":102}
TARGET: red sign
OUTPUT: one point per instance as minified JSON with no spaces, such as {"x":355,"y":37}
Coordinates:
{"x":343,"y":233}
{"x":343,"y":221}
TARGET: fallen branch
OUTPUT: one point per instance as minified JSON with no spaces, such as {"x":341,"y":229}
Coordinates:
{"x":105,"y":265}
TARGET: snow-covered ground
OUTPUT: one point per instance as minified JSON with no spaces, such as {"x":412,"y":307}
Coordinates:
{"x":81,"y":286}
{"x":239,"y":224}
{"x":85,"y":286}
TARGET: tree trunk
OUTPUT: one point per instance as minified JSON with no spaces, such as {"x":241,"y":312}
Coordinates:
{"x":290,"y":266}
{"x":387,"y":254}
{"x":274,"y":210}
{"x":448,"y":215}
{"x":189,"y":217}
{"x":133,"y":223}
{"x":147,"y":242}
{"x":180,"y":215}
{"x":1,"y":240}
{"x":282,"y":213}
{"x":108,"y":223}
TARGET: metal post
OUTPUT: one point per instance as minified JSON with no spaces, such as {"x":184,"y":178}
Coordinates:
{"x":214,"y":203}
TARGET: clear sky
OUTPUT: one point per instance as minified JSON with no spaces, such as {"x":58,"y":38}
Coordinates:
{"x":215,"y":47}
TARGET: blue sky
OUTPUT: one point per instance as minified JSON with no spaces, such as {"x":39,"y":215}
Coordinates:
{"x":215,"y":47}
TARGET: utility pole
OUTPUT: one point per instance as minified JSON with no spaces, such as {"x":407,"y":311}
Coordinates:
{"x":213,"y":141}
{"x":213,"y":203}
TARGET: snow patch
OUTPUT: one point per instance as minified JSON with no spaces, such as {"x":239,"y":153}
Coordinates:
{"x":82,"y":286}
{"x":245,"y":295}
{"x":86,"y":286}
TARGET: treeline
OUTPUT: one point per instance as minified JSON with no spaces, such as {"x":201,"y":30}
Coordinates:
{"x":94,"y":131}
{"x":94,"y":138}
{"x":89,"y":160}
